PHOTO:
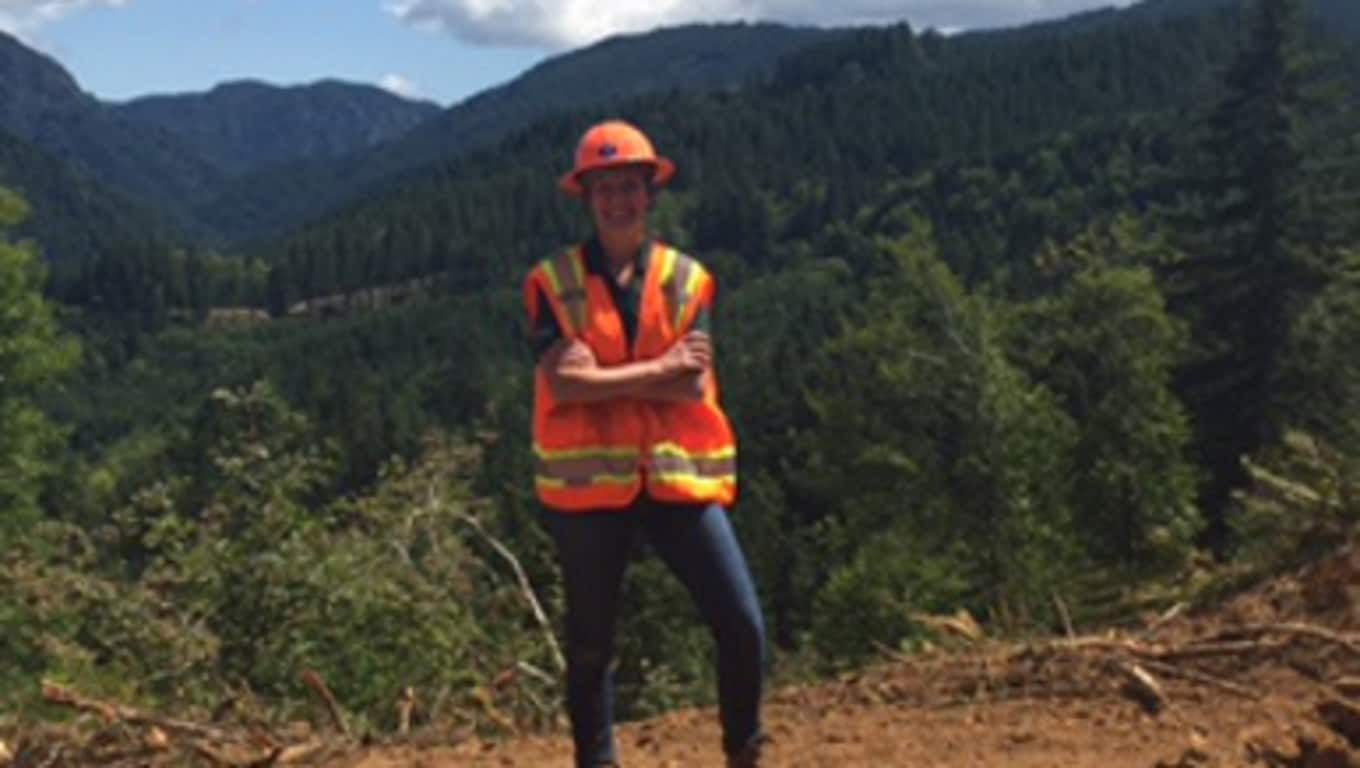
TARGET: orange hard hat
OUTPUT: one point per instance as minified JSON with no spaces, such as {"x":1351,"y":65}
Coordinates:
{"x":612,"y":144}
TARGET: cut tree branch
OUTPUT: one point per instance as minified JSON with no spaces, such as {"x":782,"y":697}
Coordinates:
{"x":525,"y":587}
{"x":312,"y":680}
{"x":56,"y":694}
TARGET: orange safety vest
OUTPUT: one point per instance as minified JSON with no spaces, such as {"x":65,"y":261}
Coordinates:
{"x":596,"y":456}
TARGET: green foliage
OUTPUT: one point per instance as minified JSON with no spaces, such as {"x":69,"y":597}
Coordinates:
{"x":868,"y":603}
{"x":1303,"y":501}
{"x":13,"y":209}
{"x":34,"y":354}
{"x":925,"y":429}
{"x":64,"y":619}
{"x":232,"y":573}
{"x":1103,"y":342}
{"x":1319,"y":383}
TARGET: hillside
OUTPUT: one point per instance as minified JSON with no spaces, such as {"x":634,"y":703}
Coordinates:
{"x":855,"y":112}
{"x":158,"y":157}
{"x":245,"y":126}
{"x":74,"y":218}
{"x":692,"y":58}
{"x":41,"y":104}
{"x":685,"y":59}
{"x":218,"y":167}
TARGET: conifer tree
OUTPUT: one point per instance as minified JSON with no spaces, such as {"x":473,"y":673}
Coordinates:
{"x":1248,"y":233}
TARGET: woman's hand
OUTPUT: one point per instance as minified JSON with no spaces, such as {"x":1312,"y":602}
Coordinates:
{"x":693,"y":353}
{"x":576,"y":357}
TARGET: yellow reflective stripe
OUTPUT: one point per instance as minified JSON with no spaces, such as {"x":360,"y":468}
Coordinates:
{"x":666,"y":278}
{"x":550,"y":270}
{"x":674,"y":449}
{"x":667,"y":267}
{"x":704,"y":483}
{"x":608,"y":452}
{"x":696,"y":276}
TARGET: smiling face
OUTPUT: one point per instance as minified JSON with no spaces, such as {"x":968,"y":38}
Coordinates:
{"x":619,"y":200}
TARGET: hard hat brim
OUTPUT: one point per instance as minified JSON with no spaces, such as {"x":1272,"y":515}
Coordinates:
{"x":663,"y":170}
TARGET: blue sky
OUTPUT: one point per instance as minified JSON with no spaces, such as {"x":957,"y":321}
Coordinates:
{"x":442,"y":50}
{"x":188,"y":45}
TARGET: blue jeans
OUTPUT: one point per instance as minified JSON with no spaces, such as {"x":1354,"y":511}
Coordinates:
{"x":697,"y":543}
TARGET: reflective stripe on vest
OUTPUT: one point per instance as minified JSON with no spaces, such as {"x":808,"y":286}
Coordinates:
{"x":671,"y":463}
{"x":583,"y":467}
{"x":680,"y":280}
{"x":567,"y":277}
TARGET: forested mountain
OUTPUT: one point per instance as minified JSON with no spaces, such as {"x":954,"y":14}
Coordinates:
{"x":41,"y":104}
{"x":835,"y":121}
{"x":74,"y":217}
{"x":247,"y":159}
{"x":244,"y":126}
{"x":843,"y":114}
{"x":175,"y":154}
{"x":693,"y":58}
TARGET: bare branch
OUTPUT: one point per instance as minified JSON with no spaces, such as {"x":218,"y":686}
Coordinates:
{"x":1171,"y":670}
{"x":525,"y":588}
{"x":110,"y":713}
{"x":312,"y":680}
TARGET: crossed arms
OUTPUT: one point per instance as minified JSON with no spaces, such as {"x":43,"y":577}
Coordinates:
{"x":678,"y":375}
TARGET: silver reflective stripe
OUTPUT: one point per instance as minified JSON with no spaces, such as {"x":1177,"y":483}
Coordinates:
{"x":678,"y":288}
{"x":568,"y":282}
{"x":673,"y":466}
{"x":585,"y":468}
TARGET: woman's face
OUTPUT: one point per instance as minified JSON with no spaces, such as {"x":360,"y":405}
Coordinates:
{"x":619,"y":200}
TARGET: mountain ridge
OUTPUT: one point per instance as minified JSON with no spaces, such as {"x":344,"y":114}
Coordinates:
{"x":245,"y":125}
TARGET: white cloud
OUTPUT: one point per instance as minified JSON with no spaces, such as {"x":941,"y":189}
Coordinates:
{"x":401,"y":86}
{"x":570,"y":23}
{"x":22,"y":16}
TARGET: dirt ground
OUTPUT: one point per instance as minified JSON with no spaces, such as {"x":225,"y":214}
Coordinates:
{"x":860,"y":725}
{"x":1270,"y":678}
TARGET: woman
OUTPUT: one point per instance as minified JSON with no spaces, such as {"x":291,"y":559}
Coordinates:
{"x":630,"y":439}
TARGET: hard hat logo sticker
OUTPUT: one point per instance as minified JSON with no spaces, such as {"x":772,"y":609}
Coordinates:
{"x":608,"y":150}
